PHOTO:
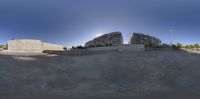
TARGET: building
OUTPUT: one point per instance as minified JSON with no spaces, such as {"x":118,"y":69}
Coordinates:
{"x":140,"y":38}
{"x":110,"y":39}
{"x":29,"y":45}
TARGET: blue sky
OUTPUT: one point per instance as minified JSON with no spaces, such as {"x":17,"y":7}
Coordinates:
{"x":73,"y":22}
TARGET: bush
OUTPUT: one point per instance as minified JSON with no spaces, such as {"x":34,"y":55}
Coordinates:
{"x":192,"y":46}
{"x":80,"y":47}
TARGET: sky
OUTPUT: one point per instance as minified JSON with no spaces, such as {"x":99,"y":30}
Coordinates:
{"x":74,"y":22}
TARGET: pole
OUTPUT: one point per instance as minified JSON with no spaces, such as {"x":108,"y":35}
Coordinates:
{"x":171,"y":32}
{"x":108,"y":40}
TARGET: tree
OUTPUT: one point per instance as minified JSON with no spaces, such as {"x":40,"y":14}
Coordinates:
{"x":65,"y":48}
{"x":178,"y":46}
{"x":187,"y":47}
{"x":73,"y":47}
{"x":174,"y":47}
{"x":148,"y":44}
{"x":80,"y":47}
{"x":196,"y":45}
{"x":99,"y":45}
{"x":2,"y":47}
{"x":191,"y":46}
{"x":108,"y":44}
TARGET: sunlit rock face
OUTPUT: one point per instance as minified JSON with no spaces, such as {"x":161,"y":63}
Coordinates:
{"x":29,"y":45}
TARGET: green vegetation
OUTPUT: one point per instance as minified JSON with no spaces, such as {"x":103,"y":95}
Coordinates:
{"x":149,"y":44}
{"x":108,"y":44}
{"x":78,"y":47}
{"x":100,"y":45}
{"x":164,"y":45}
{"x":2,"y":47}
{"x":176,"y":46}
{"x":190,"y":46}
{"x":194,"y":46}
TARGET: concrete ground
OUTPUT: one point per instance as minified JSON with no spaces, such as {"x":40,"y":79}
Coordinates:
{"x":146,"y":73}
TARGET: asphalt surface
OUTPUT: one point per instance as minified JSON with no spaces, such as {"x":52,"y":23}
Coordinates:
{"x":105,"y":74}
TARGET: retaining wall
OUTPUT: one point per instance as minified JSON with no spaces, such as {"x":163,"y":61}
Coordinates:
{"x":28,"y":45}
{"x":125,"y":47}
{"x":131,"y":47}
{"x":110,"y":48}
{"x":54,"y":47}
{"x":25,"y":45}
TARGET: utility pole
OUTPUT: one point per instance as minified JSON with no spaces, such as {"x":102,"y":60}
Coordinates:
{"x":171,"y":33}
{"x":108,"y":40}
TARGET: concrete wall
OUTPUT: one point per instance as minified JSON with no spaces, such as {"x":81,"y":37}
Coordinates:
{"x":131,"y":47}
{"x":54,"y":47}
{"x":125,"y":47}
{"x":28,"y":45}
{"x":196,"y":51}
{"x":25,"y":45}
{"x":111,"y":48}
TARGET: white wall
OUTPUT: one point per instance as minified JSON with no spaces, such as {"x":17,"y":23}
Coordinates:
{"x":28,"y":45}
{"x":54,"y":47}
{"x":25,"y":45}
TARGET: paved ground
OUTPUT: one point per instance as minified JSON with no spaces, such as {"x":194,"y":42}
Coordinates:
{"x":150,"y":73}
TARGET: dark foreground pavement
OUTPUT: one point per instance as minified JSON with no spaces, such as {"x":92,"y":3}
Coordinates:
{"x":127,"y":75}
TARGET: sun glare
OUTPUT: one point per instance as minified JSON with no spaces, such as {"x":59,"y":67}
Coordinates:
{"x":98,"y":34}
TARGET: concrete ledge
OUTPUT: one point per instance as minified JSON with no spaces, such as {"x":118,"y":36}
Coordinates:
{"x":131,"y":47}
{"x":110,"y":48}
{"x":11,"y":53}
{"x":125,"y":47}
{"x":191,"y":51}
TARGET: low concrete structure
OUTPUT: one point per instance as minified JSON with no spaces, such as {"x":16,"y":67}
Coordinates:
{"x":29,"y":45}
{"x":131,"y":47}
{"x":194,"y":51}
{"x":25,"y":45}
{"x":111,"y":48}
{"x":54,"y":47}
{"x":125,"y":47}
